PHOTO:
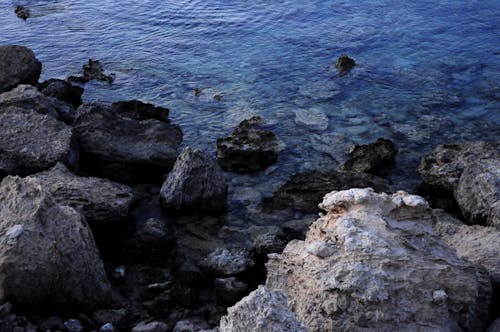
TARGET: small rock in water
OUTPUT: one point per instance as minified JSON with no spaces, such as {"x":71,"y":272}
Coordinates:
{"x":22,"y":12}
{"x":345,"y":64}
{"x":73,"y":325}
{"x":218,"y":97}
{"x":312,"y":118}
{"x":92,"y":70}
{"x":369,"y":158}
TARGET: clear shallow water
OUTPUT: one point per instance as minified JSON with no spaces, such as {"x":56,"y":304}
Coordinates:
{"x":428,"y":72}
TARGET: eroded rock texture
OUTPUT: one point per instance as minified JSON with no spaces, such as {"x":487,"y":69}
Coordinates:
{"x":18,"y":65}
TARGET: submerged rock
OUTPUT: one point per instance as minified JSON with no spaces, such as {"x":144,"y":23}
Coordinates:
{"x":18,"y":65}
{"x":31,"y":142}
{"x":196,"y":184}
{"x":370,"y":158}
{"x":262,"y":310}
{"x":345,"y":64}
{"x":135,"y":109}
{"x":314,"y":119}
{"x":48,"y":255}
{"x":249,"y":148}
{"x":112,"y":143}
{"x":385,"y":269}
{"x":22,"y":12}
{"x":99,"y":200}
{"x":303,"y":191}
{"x":63,"y":91}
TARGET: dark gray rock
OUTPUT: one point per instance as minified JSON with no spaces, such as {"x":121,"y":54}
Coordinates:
{"x":63,"y":91}
{"x":345,"y":64}
{"x":111,"y":142}
{"x":18,"y":65}
{"x":196,"y":183}
{"x":135,"y":109}
{"x":22,"y":12}
{"x":303,"y":191}
{"x":73,"y":325}
{"x":228,"y":261}
{"x":48,"y":257}
{"x":154,"y":326}
{"x":495,"y":327}
{"x":249,"y":148}
{"x":370,"y":158}
{"x":31,"y":142}
{"x":191,"y":325}
{"x":117,"y":317}
{"x":229,"y":290}
{"x":92,"y":70}
{"x":99,"y":200}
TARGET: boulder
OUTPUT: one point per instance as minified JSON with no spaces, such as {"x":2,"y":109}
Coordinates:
{"x":249,"y":148}
{"x":111,"y":142}
{"x":262,"y":310}
{"x":345,"y":64}
{"x":442,"y":168}
{"x":196,"y":183}
{"x":373,"y":262}
{"x":63,"y":91}
{"x":478,"y":192}
{"x":31,"y":142}
{"x":370,"y":158}
{"x":303,"y":191}
{"x":48,"y":257}
{"x":99,"y":200}
{"x":18,"y":65}
{"x":135,"y":109}
{"x":228,"y":261}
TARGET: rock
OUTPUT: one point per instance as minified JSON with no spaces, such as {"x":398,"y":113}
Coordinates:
{"x":22,"y":12}
{"x":227,"y":262}
{"x":495,"y":327}
{"x":249,"y":148}
{"x":108,"y":327}
{"x":31,"y":142}
{"x":196,"y":183}
{"x":92,"y":70}
{"x":443,"y":167}
{"x":117,"y":317}
{"x":190,"y":325}
{"x":262,"y":310}
{"x":99,"y":200}
{"x":18,"y":65}
{"x":113,"y":143}
{"x":48,"y":255}
{"x":63,"y":91}
{"x":345,"y":64}
{"x":385,"y":269}
{"x":229,"y":290}
{"x":73,"y":325}
{"x":370,"y":158}
{"x":478,"y":192}
{"x":314,"y":119}
{"x":51,"y":323}
{"x":154,"y":326}
{"x":267,"y":239}
{"x":476,"y":243}
{"x":135,"y":109}
{"x":303,"y":191}
{"x":29,"y":98}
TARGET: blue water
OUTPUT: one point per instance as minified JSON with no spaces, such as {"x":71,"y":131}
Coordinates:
{"x":428,"y":71}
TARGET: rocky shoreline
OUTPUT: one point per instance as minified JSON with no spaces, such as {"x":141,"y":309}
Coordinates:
{"x":88,"y":242}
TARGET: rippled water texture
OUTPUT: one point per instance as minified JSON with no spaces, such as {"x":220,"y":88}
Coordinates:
{"x":428,"y":71}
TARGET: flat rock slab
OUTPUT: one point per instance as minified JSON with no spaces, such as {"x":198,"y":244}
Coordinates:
{"x":18,"y":65}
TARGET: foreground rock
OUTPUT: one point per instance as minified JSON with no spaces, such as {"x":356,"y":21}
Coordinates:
{"x":135,"y":109}
{"x":112,"y":143}
{"x":18,"y":65}
{"x":303,"y":191}
{"x":31,"y":142}
{"x":63,"y":91}
{"x":47,"y":253}
{"x":262,"y":310}
{"x":249,"y":148}
{"x":99,"y":200}
{"x":370,"y":158}
{"x":374,"y":263}
{"x":196,"y":183}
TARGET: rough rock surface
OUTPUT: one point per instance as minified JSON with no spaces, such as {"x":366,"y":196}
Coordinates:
{"x":303,"y":191}
{"x":92,"y":70}
{"x":31,"y":142}
{"x":154,"y":326}
{"x":196,"y":183}
{"x":229,"y":290}
{"x":249,"y":148}
{"x":99,"y":200}
{"x":262,"y":310}
{"x":227,"y":262}
{"x":345,"y":64}
{"x":495,"y":327}
{"x":63,"y":91}
{"x":374,"y":263}
{"x":109,"y":138}
{"x":138,"y":110}
{"x":28,"y":97}
{"x":313,"y":118}
{"x":22,"y":12}
{"x":48,"y":255}
{"x":369,"y":158}
{"x":443,"y":167}
{"x":18,"y":65}
{"x":478,"y":192}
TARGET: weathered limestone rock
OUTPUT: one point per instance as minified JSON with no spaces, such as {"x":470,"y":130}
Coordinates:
{"x":369,"y":158}
{"x":196,"y":183}
{"x":48,"y":255}
{"x":18,"y":65}
{"x":135,"y":109}
{"x":374,"y":263}
{"x":31,"y":142}
{"x":262,"y":310}
{"x":99,"y":200}
{"x":249,"y":148}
